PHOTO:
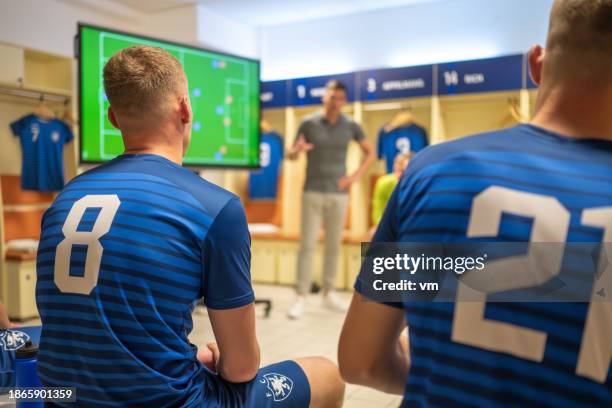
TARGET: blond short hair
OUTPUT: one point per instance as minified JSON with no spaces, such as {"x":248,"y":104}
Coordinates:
{"x":140,"y":80}
{"x":580,"y":38}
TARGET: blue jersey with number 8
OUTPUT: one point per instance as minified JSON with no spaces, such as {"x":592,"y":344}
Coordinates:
{"x":126,"y":249}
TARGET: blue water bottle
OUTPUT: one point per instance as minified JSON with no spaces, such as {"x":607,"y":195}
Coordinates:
{"x":25,"y":372}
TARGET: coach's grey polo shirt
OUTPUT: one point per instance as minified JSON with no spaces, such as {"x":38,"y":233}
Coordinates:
{"x":327,"y":161}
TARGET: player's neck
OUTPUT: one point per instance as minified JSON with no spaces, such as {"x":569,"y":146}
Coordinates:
{"x":575,"y":112}
{"x":172,"y":153}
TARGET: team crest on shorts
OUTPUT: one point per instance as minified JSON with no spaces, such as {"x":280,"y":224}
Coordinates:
{"x":13,"y":339}
{"x":279,"y":386}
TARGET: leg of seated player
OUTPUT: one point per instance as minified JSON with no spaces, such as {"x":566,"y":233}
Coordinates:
{"x":313,"y":382}
{"x":326,"y":385}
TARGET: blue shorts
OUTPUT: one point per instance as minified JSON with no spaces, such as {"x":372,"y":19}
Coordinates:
{"x":280,"y":385}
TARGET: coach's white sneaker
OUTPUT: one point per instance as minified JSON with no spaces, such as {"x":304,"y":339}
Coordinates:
{"x":331,"y":302}
{"x":298,"y":308}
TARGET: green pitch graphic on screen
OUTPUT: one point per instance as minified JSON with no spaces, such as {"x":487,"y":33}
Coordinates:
{"x":224,"y":94}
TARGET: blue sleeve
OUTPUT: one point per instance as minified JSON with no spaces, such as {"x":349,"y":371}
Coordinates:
{"x":68,"y":136}
{"x":19,"y":125}
{"x":379,"y":147}
{"x":227,"y":260}
{"x":386,"y":232}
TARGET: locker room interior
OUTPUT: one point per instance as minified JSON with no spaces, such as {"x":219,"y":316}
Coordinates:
{"x":415,"y":74}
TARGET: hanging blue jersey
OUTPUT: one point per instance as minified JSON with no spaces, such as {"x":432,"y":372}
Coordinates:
{"x":406,"y":139}
{"x":519,"y":179}
{"x":42,"y":144}
{"x":263,"y":183}
{"x":126,"y":249}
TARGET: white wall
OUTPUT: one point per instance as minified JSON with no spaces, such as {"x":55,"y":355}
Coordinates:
{"x":426,"y":33}
{"x":224,"y":34}
{"x":50,"y":25}
{"x":418,"y":34}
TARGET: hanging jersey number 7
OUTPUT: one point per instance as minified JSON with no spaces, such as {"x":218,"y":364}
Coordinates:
{"x":108,"y":205}
{"x":550,"y":224}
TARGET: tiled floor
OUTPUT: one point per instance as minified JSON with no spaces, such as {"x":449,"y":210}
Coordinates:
{"x":280,"y":339}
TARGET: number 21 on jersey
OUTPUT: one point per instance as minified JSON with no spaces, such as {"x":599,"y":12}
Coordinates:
{"x":550,"y":224}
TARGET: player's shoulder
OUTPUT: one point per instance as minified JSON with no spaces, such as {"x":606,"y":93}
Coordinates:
{"x":207,"y":188}
{"x":211,"y":196}
{"x":470,"y":147}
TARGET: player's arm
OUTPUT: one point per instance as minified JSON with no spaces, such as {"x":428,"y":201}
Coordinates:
{"x":372,"y":351}
{"x":229,"y":296}
{"x":238,"y":351}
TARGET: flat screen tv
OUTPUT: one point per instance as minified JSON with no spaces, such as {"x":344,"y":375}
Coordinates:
{"x":223,"y":89}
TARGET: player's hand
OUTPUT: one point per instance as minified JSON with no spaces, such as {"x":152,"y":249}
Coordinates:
{"x":214,"y":349}
{"x":205,"y":356}
{"x":345,"y":182}
{"x":209,"y":356}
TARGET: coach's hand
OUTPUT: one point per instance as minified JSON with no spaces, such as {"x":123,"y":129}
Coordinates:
{"x":300,"y":145}
{"x":344,"y":183}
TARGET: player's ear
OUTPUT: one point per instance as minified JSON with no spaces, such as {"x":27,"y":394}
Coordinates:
{"x":536,"y":62}
{"x":112,"y":119}
{"x":185,"y":110}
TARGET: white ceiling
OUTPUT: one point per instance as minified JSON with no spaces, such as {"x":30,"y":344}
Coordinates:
{"x":274,"y":12}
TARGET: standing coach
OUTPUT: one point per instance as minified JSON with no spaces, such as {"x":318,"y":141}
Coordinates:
{"x":325,"y":136}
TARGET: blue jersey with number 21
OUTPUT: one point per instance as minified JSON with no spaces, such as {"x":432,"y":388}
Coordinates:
{"x":516,"y":185}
